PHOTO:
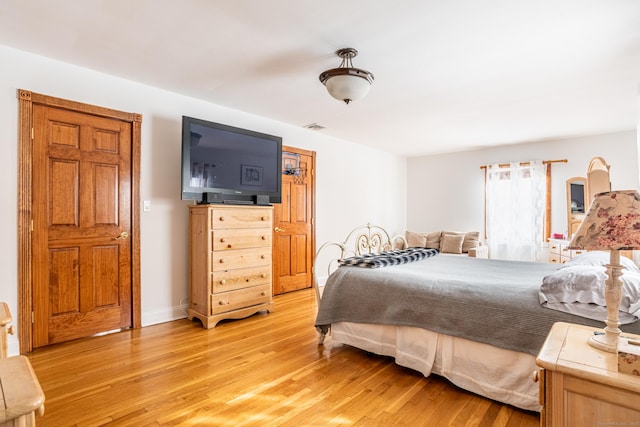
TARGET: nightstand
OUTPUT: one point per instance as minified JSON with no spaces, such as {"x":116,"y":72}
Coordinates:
{"x":580,"y":385}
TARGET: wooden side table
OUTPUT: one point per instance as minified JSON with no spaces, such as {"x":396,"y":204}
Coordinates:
{"x":20,"y":392}
{"x":5,"y":328}
{"x":580,"y":385}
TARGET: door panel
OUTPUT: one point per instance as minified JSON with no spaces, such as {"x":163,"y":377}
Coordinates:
{"x":81,"y":223}
{"x":294,"y":232}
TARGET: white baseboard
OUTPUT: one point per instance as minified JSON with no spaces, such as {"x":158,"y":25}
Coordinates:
{"x":13,"y":346}
{"x":165,"y":315}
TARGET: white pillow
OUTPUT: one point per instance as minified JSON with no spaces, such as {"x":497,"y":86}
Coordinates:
{"x":599,"y":258}
{"x":575,"y":289}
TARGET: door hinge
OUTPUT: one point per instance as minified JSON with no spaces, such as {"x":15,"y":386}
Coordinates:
{"x":311,"y":221}
{"x":31,"y":226}
{"x":32,"y":133}
{"x":33,"y":317}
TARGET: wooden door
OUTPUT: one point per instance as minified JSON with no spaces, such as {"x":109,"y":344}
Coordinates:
{"x":81,"y":218}
{"x":294,"y":229}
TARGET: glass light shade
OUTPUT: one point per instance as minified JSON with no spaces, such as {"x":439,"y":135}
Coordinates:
{"x":348,"y":87}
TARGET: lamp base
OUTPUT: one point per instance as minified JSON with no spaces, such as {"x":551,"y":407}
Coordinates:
{"x":607,"y":342}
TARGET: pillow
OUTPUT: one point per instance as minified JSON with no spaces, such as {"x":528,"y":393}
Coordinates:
{"x":450,"y":233}
{"x":451,"y":243}
{"x":599,"y":258}
{"x":578,"y":289}
{"x":433,"y":240}
{"x":416,"y":240}
{"x":471,"y":239}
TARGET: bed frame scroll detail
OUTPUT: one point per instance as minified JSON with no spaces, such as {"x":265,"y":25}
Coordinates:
{"x":364,"y":239}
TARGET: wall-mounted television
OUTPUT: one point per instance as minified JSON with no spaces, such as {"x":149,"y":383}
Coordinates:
{"x":226,"y":164}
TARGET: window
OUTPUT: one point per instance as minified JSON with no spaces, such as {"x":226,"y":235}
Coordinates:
{"x":516,"y":198}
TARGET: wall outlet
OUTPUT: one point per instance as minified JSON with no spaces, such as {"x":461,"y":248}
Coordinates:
{"x":146,"y":205}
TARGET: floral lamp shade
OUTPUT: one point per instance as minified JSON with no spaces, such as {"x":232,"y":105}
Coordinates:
{"x":612,"y":223}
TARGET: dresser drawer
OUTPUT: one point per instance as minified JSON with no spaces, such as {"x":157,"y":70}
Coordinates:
{"x":230,"y":280}
{"x":241,"y":238}
{"x":240,"y":258}
{"x":558,"y":259}
{"x":241,"y":218}
{"x":241,"y":298}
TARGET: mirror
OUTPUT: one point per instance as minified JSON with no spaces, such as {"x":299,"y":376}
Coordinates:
{"x":576,"y":203}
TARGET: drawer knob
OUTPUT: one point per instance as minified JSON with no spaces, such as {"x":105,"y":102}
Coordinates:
{"x":264,"y":237}
{"x":223,"y":240}
{"x":262,"y":257}
{"x":221,"y":261}
{"x":223,"y":302}
{"x":263,"y":275}
{"x":263,"y":293}
{"x":263,"y":218}
{"x":222,"y":282}
{"x":221,"y":218}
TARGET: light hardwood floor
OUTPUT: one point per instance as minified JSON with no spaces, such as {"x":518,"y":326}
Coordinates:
{"x":266,"y":370}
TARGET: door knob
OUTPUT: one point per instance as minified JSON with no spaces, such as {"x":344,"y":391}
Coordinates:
{"x":122,"y":236}
{"x":278,"y":230}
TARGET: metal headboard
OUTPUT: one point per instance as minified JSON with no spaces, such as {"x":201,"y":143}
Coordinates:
{"x":365,"y":239}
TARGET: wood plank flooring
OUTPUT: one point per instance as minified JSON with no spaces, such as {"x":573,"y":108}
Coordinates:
{"x":266,"y":370}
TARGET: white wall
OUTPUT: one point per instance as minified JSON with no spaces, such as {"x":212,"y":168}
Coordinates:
{"x":447,"y":191}
{"x":344,"y":198}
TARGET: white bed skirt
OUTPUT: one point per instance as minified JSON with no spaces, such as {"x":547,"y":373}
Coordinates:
{"x":495,"y":373}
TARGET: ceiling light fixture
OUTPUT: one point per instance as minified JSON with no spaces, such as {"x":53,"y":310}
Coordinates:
{"x":347,"y":83}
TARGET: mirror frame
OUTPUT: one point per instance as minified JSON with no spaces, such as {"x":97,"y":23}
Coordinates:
{"x":598,"y":180}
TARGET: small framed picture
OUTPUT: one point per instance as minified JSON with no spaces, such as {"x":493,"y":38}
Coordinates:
{"x":290,"y":163}
{"x":251,"y":175}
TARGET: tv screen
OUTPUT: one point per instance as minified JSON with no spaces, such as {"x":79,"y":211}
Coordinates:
{"x":226,"y":164}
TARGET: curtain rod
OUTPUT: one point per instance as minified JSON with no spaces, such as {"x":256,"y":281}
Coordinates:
{"x":505,"y":165}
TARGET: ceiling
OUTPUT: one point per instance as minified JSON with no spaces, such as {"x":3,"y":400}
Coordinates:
{"x":449,"y":75}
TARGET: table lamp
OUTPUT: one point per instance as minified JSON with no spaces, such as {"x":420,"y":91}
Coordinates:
{"x":612,"y":223}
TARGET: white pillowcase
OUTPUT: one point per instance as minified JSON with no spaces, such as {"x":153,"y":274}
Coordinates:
{"x":580,"y":290}
{"x":599,"y":258}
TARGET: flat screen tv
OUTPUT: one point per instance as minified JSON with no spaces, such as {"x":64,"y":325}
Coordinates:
{"x":226,"y":164}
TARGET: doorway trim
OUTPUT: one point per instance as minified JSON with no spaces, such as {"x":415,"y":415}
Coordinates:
{"x":26,"y":100}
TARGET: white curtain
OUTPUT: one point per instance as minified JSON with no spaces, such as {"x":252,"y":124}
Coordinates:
{"x":516,"y":211}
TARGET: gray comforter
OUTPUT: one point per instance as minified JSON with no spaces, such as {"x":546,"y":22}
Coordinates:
{"x":489,"y":301}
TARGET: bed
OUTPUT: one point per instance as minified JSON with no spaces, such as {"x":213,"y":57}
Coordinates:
{"x":477,"y":322}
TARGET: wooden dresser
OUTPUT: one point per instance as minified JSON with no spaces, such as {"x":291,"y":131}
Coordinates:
{"x":559,"y":252}
{"x":580,"y":385}
{"x":230,"y":257}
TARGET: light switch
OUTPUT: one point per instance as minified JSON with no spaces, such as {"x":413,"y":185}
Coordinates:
{"x":146,"y":205}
